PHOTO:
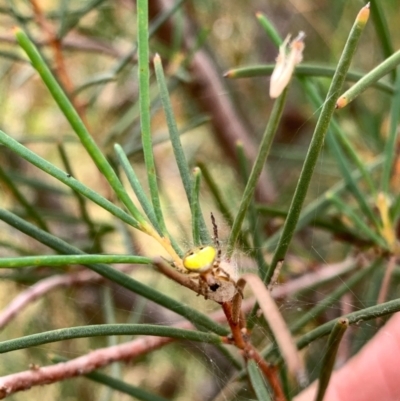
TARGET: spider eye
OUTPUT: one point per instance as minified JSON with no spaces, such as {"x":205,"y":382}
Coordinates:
{"x":201,"y":259}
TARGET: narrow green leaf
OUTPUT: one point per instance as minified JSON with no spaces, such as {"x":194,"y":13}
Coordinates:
{"x":198,"y":219}
{"x":255,"y":232}
{"x":173,"y":129}
{"x":257,"y":382}
{"x":21,"y":199}
{"x":137,"y":186}
{"x":382,"y":29}
{"x":373,"y":312}
{"x":369,"y":79}
{"x":69,"y":333}
{"x":62,"y":176}
{"x":316,"y":100}
{"x":269,"y":29}
{"x":142,"y":197}
{"x":195,"y":208}
{"x":328,"y":362}
{"x":390,"y":150}
{"x":345,"y":168}
{"x":259,"y":163}
{"x":84,"y":214}
{"x":61,"y":260}
{"x":319,"y":204}
{"x":221,"y":203}
{"x":303,"y":70}
{"x":144,"y":101}
{"x":357,"y":221}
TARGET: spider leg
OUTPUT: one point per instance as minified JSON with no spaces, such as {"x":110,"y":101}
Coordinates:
{"x":203,"y":287}
{"x":216,"y":240}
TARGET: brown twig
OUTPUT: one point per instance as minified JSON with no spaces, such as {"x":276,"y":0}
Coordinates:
{"x":61,"y":69}
{"x":270,"y":372}
{"x":386,"y":280}
{"x":75,"y":41}
{"x":44,"y":286}
{"x":241,"y":340}
{"x":79,"y":366}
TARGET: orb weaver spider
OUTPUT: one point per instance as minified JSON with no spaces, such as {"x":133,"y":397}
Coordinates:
{"x":204,"y":263}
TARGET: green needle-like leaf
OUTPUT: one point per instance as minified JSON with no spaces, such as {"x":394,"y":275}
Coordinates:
{"x":62,"y":260}
{"x":66,"y":179}
{"x":259,"y":163}
{"x":257,"y":381}
{"x":369,"y":79}
{"x":330,"y":355}
{"x":390,"y":146}
{"x":47,"y":337}
{"x":144,"y":101}
{"x":303,"y":70}
{"x":136,"y":186}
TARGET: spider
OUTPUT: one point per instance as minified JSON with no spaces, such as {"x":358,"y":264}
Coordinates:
{"x":205,"y":262}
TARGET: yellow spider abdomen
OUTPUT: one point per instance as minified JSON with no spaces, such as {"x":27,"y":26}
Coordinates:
{"x":200,"y":259}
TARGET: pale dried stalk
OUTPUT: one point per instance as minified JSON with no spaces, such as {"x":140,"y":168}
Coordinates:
{"x":44,"y":286}
{"x":277,"y":325}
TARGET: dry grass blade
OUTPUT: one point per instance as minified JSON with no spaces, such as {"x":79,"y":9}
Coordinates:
{"x":277,"y":325}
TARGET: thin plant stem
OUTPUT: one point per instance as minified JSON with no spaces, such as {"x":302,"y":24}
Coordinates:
{"x":259,"y":163}
{"x":304,"y":70}
{"x":98,"y":330}
{"x":81,"y":201}
{"x":390,"y":145}
{"x":317,"y":141}
{"x":328,"y":361}
{"x":144,"y":101}
{"x":382,"y":30}
{"x":368,"y":79}
{"x":357,"y":221}
{"x":137,"y":187}
{"x":65,"y":260}
{"x":256,"y":233}
{"x":269,"y":29}
{"x":257,"y":382}
{"x":178,"y":150}
{"x":62,"y":176}
{"x":316,"y":100}
{"x":317,"y":205}
{"x":199,"y":230}
{"x":20,"y":197}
